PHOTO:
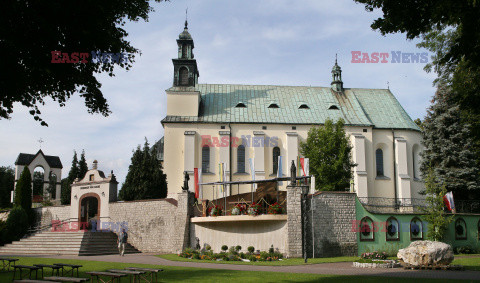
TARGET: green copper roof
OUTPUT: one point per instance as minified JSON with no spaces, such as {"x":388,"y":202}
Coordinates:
{"x":358,"y":107}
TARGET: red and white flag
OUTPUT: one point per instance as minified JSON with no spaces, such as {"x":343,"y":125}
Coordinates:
{"x":448,"y":200}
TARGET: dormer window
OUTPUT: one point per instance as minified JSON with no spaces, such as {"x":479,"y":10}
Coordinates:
{"x":91,"y":177}
{"x":333,"y":107}
{"x":241,"y":105}
{"x":303,"y":106}
{"x":273,"y":105}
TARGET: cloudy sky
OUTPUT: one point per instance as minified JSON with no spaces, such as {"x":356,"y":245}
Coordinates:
{"x":275,"y":42}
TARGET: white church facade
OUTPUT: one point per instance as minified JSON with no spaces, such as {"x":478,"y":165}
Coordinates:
{"x":273,"y":120}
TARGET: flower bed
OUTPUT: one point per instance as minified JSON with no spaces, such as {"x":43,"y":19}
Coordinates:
{"x":232,"y":254}
{"x":368,"y":263}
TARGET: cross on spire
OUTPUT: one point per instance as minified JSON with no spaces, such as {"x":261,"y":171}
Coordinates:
{"x":40,"y":141}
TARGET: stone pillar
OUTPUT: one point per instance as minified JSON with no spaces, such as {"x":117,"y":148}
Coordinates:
{"x":182,"y":221}
{"x":258,"y":143}
{"x":403,"y":179}
{"x":360,"y":171}
{"x":294,"y":221}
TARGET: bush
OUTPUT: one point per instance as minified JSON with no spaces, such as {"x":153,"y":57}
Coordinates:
{"x":271,"y":250}
{"x":208,"y":247}
{"x":232,"y":250}
{"x":464,"y":250}
{"x":3,"y":233}
{"x":224,"y":248}
{"x":251,"y":249}
{"x":238,"y":248}
{"x":16,"y":225}
{"x":374,"y":255}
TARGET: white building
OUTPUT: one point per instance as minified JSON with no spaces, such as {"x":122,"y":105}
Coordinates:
{"x":273,"y":120}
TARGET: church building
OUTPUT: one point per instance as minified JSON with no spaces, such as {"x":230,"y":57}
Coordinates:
{"x":208,"y":124}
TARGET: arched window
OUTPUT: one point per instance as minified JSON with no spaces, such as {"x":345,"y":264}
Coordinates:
{"x":379,"y":162}
{"x":241,"y":159}
{"x":205,"y":159}
{"x":392,"y":229}
{"x":460,"y":229}
{"x":275,"y":155}
{"x":183,"y":76}
{"x":416,"y":229}
{"x":367,"y":229}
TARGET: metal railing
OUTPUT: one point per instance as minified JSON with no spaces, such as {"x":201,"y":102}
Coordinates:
{"x":412,"y":205}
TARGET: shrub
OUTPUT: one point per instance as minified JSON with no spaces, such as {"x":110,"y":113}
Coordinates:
{"x":464,"y":250}
{"x":224,"y":248}
{"x":208,"y":247}
{"x":374,"y":255}
{"x":238,"y":248}
{"x":3,"y":233}
{"x":251,"y":249}
{"x":232,"y":251}
{"x":17,"y":224}
{"x":271,"y":250}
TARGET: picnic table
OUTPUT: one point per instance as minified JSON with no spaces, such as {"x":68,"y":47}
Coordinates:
{"x":7,"y":263}
{"x":29,"y":268}
{"x":113,"y":276}
{"x":152,"y":271}
{"x":66,"y":279}
{"x":53,"y":267}
{"x":72,"y":267}
{"x":135,"y":275}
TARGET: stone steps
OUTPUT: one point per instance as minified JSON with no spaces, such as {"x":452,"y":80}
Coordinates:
{"x":66,"y":243}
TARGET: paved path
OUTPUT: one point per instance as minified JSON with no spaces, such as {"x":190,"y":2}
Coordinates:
{"x":340,"y":268}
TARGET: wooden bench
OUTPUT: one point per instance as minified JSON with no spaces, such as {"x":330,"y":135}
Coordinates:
{"x":67,"y":279}
{"x":113,"y":276}
{"x":29,"y":268}
{"x":7,"y":263}
{"x":53,"y":267}
{"x":152,"y":271}
{"x":72,"y":267}
{"x":134,"y":274}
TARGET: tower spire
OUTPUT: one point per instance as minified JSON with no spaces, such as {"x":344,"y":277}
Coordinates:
{"x":185,"y":66}
{"x":186,"y":18}
{"x":337,"y":84}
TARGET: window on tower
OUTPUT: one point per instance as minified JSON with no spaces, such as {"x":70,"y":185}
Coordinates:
{"x":184,"y":52}
{"x":183,"y":76}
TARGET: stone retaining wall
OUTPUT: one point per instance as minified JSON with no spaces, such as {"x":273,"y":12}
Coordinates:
{"x":333,"y":213}
{"x":45,"y":215}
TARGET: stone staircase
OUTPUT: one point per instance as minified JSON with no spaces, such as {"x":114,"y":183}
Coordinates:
{"x":66,"y":243}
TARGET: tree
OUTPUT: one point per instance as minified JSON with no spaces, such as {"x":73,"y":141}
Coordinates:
{"x":82,"y":166}
{"x":7,"y":181}
{"x":448,"y":147}
{"x":434,"y":211}
{"x":145,"y":178}
{"x":329,"y":152}
{"x":66,"y":187}
{"x":17,"y":224}
{"x":30,"y":31}
{"x":23,"y":193}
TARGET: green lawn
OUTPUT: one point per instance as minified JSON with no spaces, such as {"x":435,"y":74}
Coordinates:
{"x":290,"y":261}
{"x":471,"y":263}
{"x":184,"y":274}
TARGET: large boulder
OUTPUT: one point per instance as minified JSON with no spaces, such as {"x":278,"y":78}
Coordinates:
{"x":422,"y":253}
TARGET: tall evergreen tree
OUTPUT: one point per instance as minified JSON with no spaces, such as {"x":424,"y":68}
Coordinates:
{"x":66,"y":190}
{"x":145,"y":178}
{"x":7,"y":181}
{"x":23,"y":193}
{"x":449,"y":147}
{"x":82,"y":166}
{"x":329,"y":152}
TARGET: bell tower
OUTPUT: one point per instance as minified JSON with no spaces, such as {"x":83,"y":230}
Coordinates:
{"x":185,"y":71}
{"x":337,"y":84}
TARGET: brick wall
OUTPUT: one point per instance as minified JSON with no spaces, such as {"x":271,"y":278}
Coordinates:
{"x":333,"y":213}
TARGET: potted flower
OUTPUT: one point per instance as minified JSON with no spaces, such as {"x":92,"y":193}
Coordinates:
{"x":215,"y":210}
{"x":254,"y":209}
{"x":275,"y":209}
{"x":238,"y":209}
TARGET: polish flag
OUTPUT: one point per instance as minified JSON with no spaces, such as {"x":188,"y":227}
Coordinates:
{"x":448,"y":200}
